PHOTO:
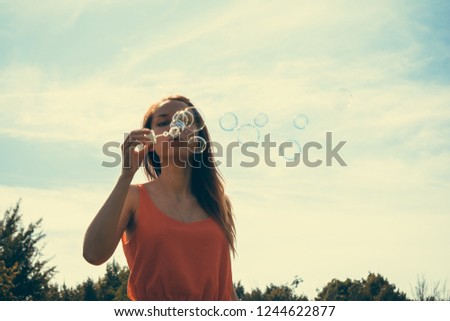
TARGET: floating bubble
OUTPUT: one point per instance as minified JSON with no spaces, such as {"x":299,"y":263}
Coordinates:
{"x":228,"y":121}
{"x":247,"y":133}
{"x":197,"y":144}
{"x":342,"y":99}
{"x":301,"y":121}
{"x":290,"y":149}
{"x":261,"y":120}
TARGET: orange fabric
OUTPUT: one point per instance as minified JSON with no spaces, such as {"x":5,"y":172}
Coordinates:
{"x":172,"y":260}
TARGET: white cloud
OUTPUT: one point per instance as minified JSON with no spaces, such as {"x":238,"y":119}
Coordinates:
{"x":114,"y":100}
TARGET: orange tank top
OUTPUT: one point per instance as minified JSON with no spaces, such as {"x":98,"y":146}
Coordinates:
{"x":172,"y":260}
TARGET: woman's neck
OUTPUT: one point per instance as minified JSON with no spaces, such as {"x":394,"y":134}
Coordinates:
{"x":176,"y":180}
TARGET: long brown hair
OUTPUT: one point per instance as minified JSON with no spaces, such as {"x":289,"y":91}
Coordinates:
{"x":207,"y":183}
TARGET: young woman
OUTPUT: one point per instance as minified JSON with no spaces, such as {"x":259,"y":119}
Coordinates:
{"x":177,"y":229}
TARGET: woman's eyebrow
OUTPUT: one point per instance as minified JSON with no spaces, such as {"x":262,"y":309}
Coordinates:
{"x":162,"y":115}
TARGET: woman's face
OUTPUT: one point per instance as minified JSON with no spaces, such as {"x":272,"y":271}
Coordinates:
{"x":167,"y":147}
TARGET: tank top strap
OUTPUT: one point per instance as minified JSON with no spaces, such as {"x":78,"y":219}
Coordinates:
{"x":140,"y":187}
{"x":141,"y":200}
{"x":143,"y":197}
{"x":147,"y":210}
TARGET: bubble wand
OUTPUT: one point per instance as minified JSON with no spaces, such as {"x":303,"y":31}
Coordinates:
{"x":181,"y":120}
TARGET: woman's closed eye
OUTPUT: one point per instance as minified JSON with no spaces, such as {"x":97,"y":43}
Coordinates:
{"x":163,"y":123}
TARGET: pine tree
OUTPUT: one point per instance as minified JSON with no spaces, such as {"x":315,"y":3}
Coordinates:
{"x":23,"y":274}
{"x":112,"y":286}
{"x":90,"y":293}
{"x":374,"y":288}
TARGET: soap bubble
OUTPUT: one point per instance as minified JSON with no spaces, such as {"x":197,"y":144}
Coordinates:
{"x":261,"y":120}
{"x":186,"y":118}
{"x":291,"y":150}
{"x":301,"y":121}
{"x":196,"y":144}
{"x":342,"y":99}
{"x":247,"y":133}
{"x":228,"y":121}
{"x":192,"y":117}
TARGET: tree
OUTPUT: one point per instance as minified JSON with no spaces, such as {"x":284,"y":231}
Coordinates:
{"x":374,"y":288}
{"x":7,"y":276}
{"x":89,"y":292}
{"x":23,"y":274}
{"x":422,"y":292}
{"x":113,"y":285}
{"x":110,"y":287}
{"x":70,"y":294}
{"x":337,"y":290}
{"x":377,"y":288}
{"x":272,"y":292}
{"x":53,"y":293}
{"x":239,"y":288}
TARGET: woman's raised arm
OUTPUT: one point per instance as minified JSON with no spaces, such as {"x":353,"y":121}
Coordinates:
{"x":108,"y":226}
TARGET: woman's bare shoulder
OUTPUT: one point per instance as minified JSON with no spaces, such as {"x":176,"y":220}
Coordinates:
{"x":134,"y":191}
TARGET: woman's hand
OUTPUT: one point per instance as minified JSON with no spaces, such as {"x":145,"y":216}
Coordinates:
{"x":131,"y":157}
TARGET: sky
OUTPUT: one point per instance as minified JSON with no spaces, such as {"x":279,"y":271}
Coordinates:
{"x":75,"y":75}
